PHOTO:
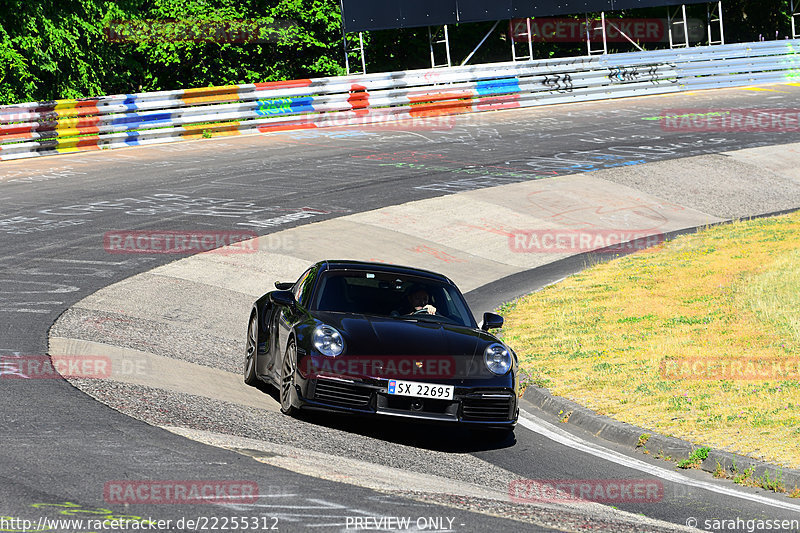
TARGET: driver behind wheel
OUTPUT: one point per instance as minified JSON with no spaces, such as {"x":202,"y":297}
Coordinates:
{"x":417,"y":300}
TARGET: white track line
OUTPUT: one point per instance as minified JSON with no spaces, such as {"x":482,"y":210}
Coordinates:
{"x":561,"y":436}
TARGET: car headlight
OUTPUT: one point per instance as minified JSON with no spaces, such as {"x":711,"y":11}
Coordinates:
{"x":328,"y":341}
{"x":497,"y":359}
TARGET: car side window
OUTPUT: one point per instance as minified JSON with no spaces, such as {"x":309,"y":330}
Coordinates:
{"x":298,"y":286}
{"x":302,"y":289}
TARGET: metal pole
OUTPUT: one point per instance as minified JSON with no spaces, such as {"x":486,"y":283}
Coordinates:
{"x":447,"y":45}
{"x":588,"y":37}
{"x":711,"y":20}
{"x":530,"y":40}
{"x":671,"y":23}
{"x":590,"y":30}
{"x":511,"y":40}
{"x":794,"y":27}
{"x":360,"y":48}
{"x":344,"y":41}
{"x":605,"y":42}
{"x":480,"y":44}
{"x":669,"y":27}
{"x":346,"y":56}
{"x":685,"y":25}
{"x":513,"y":34}
{"x":430,"y":43}
{"x":363,"y":55}
{"x":626,"y":36}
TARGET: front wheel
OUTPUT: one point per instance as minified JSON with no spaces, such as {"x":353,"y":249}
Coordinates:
{"x":251,"y":353}
{"x":287,"y":379}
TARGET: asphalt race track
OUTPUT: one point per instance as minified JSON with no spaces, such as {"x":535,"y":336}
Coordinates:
{"x":60,"y":445}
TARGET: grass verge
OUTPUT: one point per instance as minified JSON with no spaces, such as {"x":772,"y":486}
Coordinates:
{"x":654,"y":338}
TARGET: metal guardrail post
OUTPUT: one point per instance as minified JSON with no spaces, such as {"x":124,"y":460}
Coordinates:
{"x":715,"y":16}
{"x":360,"y":50}
{"x":672,"y":21}
{"x":446,"y":42}
{"x":591,"y":29}
{"x":529,"y":34}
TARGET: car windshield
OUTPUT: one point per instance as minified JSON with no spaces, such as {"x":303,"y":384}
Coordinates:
{"x":388,"y":294}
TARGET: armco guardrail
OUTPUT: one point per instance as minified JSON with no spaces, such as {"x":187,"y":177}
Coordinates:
{"x":43,"y":128}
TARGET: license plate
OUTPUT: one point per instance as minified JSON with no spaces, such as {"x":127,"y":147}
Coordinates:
{"x":420,"y":390}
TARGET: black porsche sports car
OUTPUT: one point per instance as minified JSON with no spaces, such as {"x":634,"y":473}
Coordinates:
{"x":372,"y":338}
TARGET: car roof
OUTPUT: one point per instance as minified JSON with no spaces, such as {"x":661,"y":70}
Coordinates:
{"x":344,"y":264}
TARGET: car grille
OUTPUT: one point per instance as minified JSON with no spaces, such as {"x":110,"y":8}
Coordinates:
{"x":342,"y":394}
{"x":429,"y":405}
{"x":486,"y":408}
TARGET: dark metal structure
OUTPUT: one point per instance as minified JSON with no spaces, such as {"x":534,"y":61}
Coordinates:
{"x":359,"y":16}
{"x":368,"y":15}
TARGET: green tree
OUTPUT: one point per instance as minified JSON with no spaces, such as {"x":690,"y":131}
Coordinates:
{"x":52,"y":49}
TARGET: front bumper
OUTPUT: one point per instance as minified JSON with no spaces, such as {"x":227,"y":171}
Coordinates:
{"x":471,"y":405}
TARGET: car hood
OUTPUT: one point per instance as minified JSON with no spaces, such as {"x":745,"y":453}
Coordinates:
{"x":371,"y":336}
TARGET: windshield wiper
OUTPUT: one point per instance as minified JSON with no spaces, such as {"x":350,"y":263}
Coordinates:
{"x":432,"y":319}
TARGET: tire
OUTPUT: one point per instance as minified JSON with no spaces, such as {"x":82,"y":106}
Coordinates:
{"x":251,"y":352}
{"x":287,"y":379}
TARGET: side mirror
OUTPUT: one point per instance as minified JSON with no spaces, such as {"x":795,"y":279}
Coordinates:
{"x":283,"y":298}
{"x":491,"y":321}
{"x":284,"y":285}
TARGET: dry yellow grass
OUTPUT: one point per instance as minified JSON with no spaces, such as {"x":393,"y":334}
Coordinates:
{"x":600,"y":338}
